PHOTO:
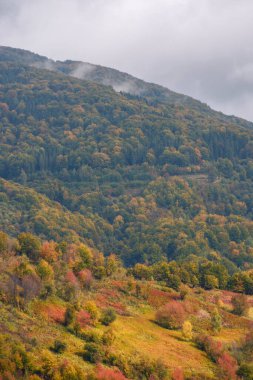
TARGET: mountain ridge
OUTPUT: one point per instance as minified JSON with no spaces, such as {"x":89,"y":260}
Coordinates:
{"x":119,"y":81}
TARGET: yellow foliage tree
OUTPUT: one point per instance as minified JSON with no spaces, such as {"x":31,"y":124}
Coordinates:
{"x":187,"y":330}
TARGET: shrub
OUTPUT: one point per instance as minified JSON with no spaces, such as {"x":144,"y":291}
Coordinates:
{"x":178,"y":374}
{"x":103,"y":373}
{"x":55,"y":312}
{"x":212,"y":348}
{"x":240,"y":304}
{"x":108,"y":316}
{"x":108,"y":337}
{"x":91,"y":336}
{"x":83,"y":318}
{"x":144,"y":368}
{"x":92,"y":309}
{"x":58,"y":347}
{"x":228,"y":366}
{"x":184,"y":290}
{"x":171,"y":315}
{"x":67,"y":371}
{"x":216,"y":321}
{"x":93,"y":352}
{"x":245,"y":371}
{"x":247,"y":346}
{"x":69,"y":316}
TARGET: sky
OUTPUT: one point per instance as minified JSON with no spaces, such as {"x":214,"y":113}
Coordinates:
{"x":202,"y":48}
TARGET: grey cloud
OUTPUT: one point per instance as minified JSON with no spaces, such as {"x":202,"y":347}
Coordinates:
{"x":200,"y":48}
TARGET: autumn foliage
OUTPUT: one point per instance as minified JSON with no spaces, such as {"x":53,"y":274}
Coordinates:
{"x":48,"y":251}
{"x":171,"y":315}
{"x":86,"y":278}
{"x":178,"y":374}
{"x":83,"y":318}
{"x":71,"y":278}
{"x":228,"y":365}
{"x":54,"y":312}
{"x":103,"y":373}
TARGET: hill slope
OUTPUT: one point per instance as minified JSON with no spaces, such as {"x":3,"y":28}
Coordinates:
{"x":158,"y":178}
{"x":152,"y":176}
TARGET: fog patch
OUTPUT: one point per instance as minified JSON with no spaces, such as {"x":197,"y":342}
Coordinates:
{"x":129,"y":87}
{"x":45,"y":65}
{"x":82,"y":71}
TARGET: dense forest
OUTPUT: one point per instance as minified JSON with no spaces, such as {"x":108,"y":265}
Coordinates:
{"x":148,"y":177}
{"x":126,"y":228}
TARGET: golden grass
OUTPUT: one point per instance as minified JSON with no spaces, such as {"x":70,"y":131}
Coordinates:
{"x":25,"y":327}
{"x":250,"y":313}
{"x":228,"y":336}
{"x":141,"y":334}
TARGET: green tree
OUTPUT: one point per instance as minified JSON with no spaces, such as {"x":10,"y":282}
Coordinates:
{"x":3,"y":242}
{"x":29,"y":245}
{"x":108,"y":316}
{"x":216,"y":321}
{"x":69,"y":316}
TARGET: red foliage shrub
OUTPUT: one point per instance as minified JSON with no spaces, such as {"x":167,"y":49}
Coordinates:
{"x":83,"y":318}
{"x":213,"y":348}
{"x":111,"y":298}
{"x":111,"y":294}
{"x":158,"y":297}
{"x":120,"y":285}
{"x":228,"y":365}
{"x":191,"y":307}
{"x":103,"y":373}
{"x":171,"y":315}
{"x":86,"y":278}
{"x":54,"y":312}
{"x":178,"y":374}
{"x":7,"y":376}
{"x":71,"y":278}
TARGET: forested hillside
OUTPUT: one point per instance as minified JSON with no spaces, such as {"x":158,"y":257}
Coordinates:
{"x":126,"y":228}
{"x":142,"y":178}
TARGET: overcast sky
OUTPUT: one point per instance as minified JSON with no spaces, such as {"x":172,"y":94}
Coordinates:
{"x":203,"y":48}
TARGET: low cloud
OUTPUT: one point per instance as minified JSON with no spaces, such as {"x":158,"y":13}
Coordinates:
{"x":82,"y":71}
{"x":200,"y":48}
